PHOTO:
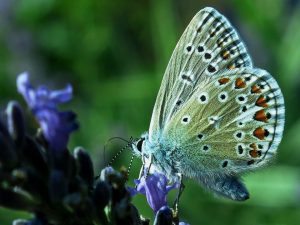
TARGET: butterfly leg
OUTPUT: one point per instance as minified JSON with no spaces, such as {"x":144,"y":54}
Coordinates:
{"x":226,"y":186}
{"x":179,"y":193}
{"x":145,"y":169}
{"x":141,"y":171}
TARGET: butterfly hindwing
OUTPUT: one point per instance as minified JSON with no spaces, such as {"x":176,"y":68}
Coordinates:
{"x":232,"y":124}
{"x":208,"y":45}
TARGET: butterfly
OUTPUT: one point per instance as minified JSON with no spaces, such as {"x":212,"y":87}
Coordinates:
{"x":216,"y":117}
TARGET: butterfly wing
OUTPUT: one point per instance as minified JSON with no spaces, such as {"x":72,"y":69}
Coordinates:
{"x":215,"y":115}
{"x":208,"y":45}
{"x":231,"y":124}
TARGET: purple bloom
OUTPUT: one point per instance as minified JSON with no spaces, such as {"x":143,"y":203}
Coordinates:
{"x":43,"y":102}
{"x":155,"y":187}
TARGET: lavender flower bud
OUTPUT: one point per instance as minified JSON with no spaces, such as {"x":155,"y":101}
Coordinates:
{"x":33,"y":156}
{"x":15,"y":122}
{"x":106,"y":172}
{"x":8,"y":155}
{"x":101,"y":195}
{"x":164,"y":216}
{"x":57,"y":186}
{"x":86,"y":171}
{"x":136,"y":219}
{"x":20,"y":222}
{"x":30,"y":181}
{"x":13,"y":200}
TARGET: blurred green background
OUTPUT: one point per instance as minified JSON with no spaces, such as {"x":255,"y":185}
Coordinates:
{"x":114,"y":52}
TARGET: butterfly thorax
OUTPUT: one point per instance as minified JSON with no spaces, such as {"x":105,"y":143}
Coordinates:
{"x":159,"y":155}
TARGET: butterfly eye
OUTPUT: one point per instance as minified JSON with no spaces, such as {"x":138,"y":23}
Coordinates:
{"x":139,"y":144}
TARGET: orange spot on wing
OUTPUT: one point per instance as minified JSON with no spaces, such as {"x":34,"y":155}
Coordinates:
{"x":254,"y":153}
{"x":255,"y":89}
{"x":239,"y":83}
{"x":224,"y":80}
{"x":253,"y":146}
{"x":259,"y":133}
{"x":261,"y":116}
{"x":225,"y":55}
{"x":261,"y":101}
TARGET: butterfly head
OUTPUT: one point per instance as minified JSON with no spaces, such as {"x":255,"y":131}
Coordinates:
{"x":137,"y":146}
{"x":143,"y":148}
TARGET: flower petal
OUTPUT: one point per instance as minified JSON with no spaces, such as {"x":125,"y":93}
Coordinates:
{"x":23,"y":82}
{"x":43,"y":103}
{"x":155,"y":187}
{"x":62,"y":96}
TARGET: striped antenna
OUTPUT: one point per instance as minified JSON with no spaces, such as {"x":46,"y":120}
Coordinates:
{"x":129,"y":143}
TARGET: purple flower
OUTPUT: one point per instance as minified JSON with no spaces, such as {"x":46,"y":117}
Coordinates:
{"x":56,"y":126}
{"x":156,"y":188}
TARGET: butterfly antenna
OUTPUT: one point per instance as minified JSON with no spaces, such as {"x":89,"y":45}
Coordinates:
{"x":129,"y":143}
{"x":118,"y":153}
{"x":130,"y":164}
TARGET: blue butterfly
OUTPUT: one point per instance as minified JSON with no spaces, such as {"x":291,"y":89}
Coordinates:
{"x":216,"y":116}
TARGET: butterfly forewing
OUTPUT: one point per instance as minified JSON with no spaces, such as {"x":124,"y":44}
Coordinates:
{"x":208,"y":46}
